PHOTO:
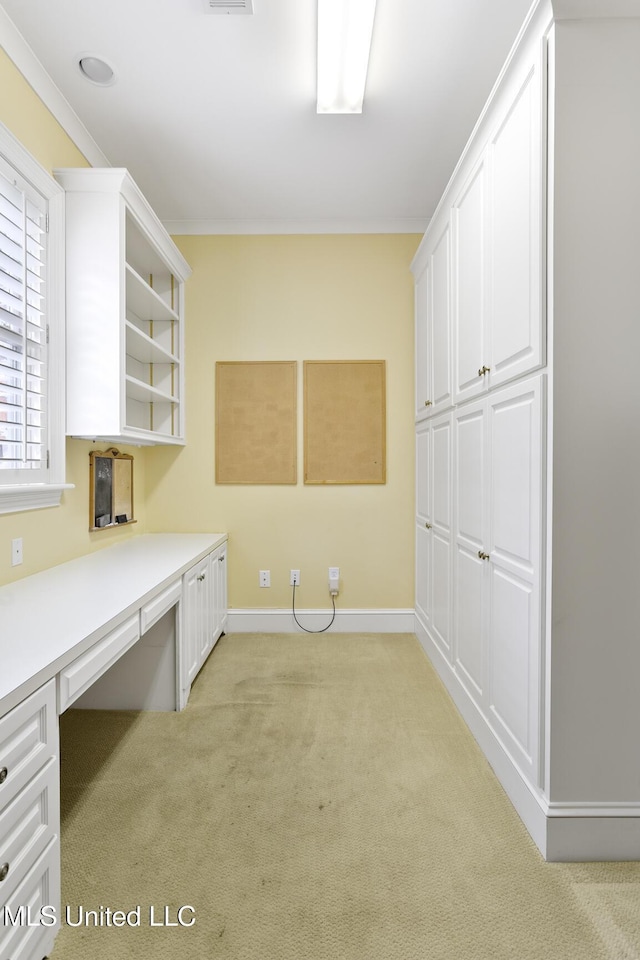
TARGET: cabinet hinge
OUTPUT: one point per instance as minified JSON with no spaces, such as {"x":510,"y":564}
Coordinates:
{"x":47,"y":333}
{"x":48,"y":460}
{"x":46,"y":223}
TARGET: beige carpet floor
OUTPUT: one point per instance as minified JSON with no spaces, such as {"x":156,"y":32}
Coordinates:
{"x":319,"y":799}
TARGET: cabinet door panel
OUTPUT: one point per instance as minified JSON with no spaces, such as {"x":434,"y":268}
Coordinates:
{"x":423,"y":570}
{"x":191,"y":627}
{"x":423,"y":383}
{"x":423,"y":465}
{"x":441,"y":475}
{"x":516,"y":476}
{"x":469,"y":621}
{"x":441,"y":580}
{"x":470,"y":351}
{"x":516,"y":215}
{"x":471,"y":524}
{"x":514,"y":676}
{"x":440,"y":359}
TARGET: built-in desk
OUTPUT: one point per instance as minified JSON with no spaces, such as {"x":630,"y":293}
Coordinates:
{"x":63,"y":634}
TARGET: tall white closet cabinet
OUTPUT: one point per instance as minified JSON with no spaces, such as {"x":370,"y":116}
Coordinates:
{"x":528,"y":430}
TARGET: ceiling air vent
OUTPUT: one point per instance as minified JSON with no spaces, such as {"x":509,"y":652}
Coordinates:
{"x":228,"y":6}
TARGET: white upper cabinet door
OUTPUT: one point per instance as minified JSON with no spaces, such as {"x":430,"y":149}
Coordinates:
{"x":471,"y":348}
{"x":439,"y":325}
{"x":516,"y":216}
{"x":423,"y":380}
{"x":471,"y":538}
{"x":515,"y":437}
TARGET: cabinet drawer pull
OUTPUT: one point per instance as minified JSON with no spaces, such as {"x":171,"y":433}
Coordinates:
{"x":201,"y":577}
{"x":220,"y":559}
{"x":483,"y":370}
{"x":483,"y":555}
{"x":427,"y":403}
{"x":4,"y":870}
{"x":428,"y":526}
{"x":4,"y":773}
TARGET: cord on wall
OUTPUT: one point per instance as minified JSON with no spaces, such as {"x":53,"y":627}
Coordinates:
{"x":293,"y":610}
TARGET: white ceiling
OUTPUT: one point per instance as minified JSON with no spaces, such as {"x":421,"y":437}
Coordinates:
{"x":215,"y":115}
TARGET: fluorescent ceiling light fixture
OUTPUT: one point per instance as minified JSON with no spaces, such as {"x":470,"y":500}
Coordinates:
{"x":344,"y":42}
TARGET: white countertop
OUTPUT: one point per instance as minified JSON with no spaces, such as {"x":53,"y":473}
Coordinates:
{"x":50,"y":618}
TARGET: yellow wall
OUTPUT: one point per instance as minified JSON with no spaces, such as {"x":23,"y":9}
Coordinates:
{"x":297,"y":298}
{"x":315,"y":297}
{"x":56,"y":534}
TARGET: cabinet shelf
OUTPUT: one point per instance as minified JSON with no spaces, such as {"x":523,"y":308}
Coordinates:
{"x":143,"y":301}
{"x":146,"y":393}
{"x":142,"y":348}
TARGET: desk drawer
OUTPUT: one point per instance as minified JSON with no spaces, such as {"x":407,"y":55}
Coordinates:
{"x":40,"y":888}
{"x":156,"y":608}
{"x":79,"y":675}
{"x":28,"y":738}
{"x":26,"y":827}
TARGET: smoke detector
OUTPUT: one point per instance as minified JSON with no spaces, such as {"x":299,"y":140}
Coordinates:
{"x":228,"y":6}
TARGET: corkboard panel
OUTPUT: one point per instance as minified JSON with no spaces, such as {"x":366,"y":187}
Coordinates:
{"x":344,"y":421}
{"x":256,"y":422}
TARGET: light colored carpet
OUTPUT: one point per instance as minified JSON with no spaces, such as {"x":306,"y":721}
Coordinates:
{"x":319,"y":799}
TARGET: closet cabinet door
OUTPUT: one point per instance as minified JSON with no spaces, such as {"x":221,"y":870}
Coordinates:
{"x":441,"y":533}
{"x":516,"y":192}
{"x":471,"y":539}
{"x":439,"y":325}
{"x":422,"y":372}
{"x":424,"y":524}
{"x":515,"y":437}
{"x":433,"y":530}
{"x":471,"y":347}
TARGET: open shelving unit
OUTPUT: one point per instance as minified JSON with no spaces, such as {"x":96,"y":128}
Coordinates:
{"x":125,"y":313}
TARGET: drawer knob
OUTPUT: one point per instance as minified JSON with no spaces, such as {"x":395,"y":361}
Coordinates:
{"x":4,"y":870}
{"x":221,"y":559}
{"x":4,"y":773}
{"x":201,"y":577}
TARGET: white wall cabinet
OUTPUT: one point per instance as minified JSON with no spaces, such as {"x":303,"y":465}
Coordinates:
{"x":204,"y":612}
{"x":433,"y":326}
{"x":544,"y":529}
{"x":125,"y":313}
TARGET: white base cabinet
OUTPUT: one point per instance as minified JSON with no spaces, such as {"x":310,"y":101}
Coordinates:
{"x":538,"y":550}
{"x":29,"y":827}
{"x":203,"y":615}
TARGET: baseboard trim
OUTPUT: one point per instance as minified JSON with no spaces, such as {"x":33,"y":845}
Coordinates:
{"x":566,"y":832}
{"x":347,"y":621}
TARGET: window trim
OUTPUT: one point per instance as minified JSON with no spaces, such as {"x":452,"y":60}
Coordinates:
{"x":32,"y":496}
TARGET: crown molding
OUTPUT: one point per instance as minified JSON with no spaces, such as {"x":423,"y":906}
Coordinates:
{"x":268,"y":227}
{"x":25,"y":60}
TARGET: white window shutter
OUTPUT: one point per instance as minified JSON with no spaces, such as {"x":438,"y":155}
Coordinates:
{"x":23,"y":334}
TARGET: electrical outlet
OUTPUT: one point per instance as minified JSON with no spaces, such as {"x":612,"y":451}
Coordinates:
{"x":294,"y":578}
{"x":265,"y":578}
{"x":16,"y":551}
{"x":334,"y":573}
